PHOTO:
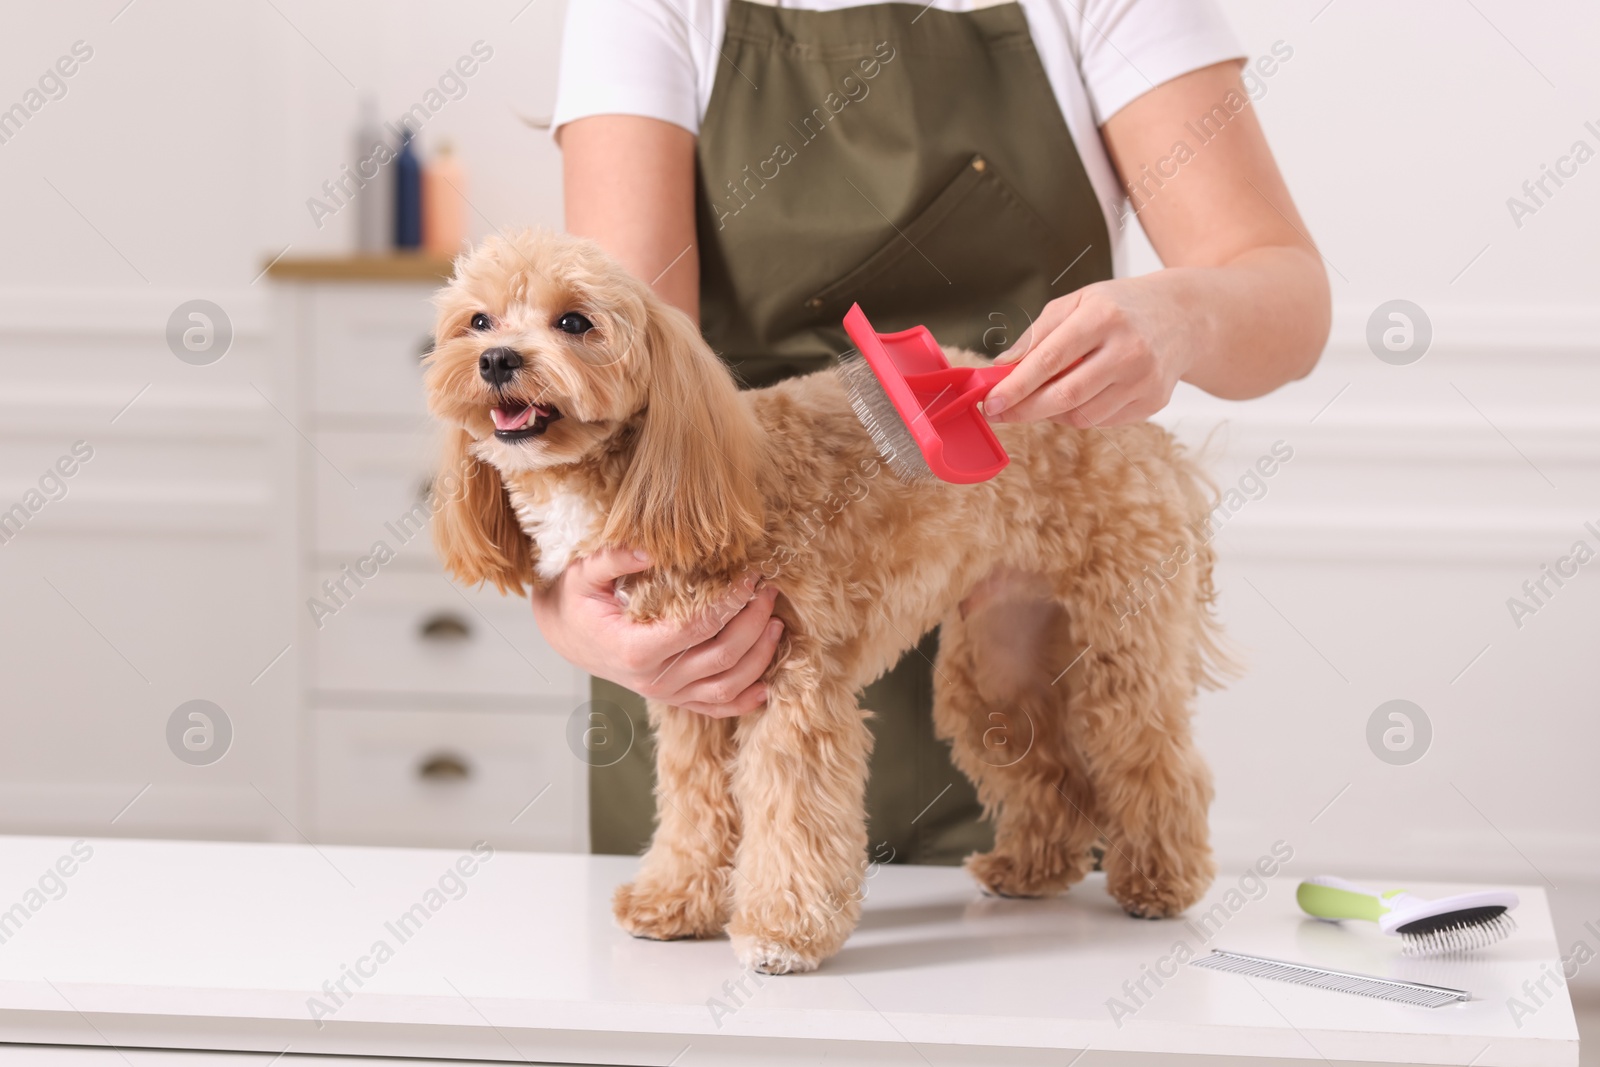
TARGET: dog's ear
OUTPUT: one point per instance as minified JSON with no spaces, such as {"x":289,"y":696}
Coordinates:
{"x":691,"y":491}
{"x":474,"y":529}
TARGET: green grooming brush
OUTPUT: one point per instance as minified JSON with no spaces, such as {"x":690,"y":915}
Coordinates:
{"x":1460,"y":923}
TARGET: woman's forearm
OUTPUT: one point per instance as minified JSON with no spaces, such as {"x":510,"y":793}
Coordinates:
{"x":1248,"y":326}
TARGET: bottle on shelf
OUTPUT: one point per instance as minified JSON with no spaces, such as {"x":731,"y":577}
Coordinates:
{"x":375,"y":198}
{"x":407,"y":196}
{"x":444,"y":204}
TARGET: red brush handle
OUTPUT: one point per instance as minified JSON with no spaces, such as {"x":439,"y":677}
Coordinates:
{"x":956,"y":388}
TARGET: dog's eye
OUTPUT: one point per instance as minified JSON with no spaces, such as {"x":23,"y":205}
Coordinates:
{"x":480,"y":321}
{"x":572,"y":322}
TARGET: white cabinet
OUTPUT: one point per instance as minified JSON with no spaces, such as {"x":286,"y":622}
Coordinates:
{"x":435,"y":715}
{"x":365,"y":342}
{"x":393,"y":472}
{"x":446,"y":778}
{"x":418,"y":633}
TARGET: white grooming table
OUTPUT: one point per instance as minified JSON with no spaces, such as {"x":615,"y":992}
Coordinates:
{"x":220,"y":947}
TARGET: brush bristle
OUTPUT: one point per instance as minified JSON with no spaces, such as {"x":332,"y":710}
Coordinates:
{"x":1454,"y":932}
{"x":882,"y":420}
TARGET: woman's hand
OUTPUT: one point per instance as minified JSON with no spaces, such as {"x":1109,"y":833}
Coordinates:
{"x":1105,"y":355}
{"x":711,"y":665}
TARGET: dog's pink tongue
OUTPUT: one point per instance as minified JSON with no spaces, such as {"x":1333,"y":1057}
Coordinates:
{"x":508,"y":419}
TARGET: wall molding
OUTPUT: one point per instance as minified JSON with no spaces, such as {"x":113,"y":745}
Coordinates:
{"x":233,"y":812}
{"x":1475,"y":855}
{"x":1480,"y":329}
{"x":1444,"y":433}
{"x":176,"y":507}
{"x":229,"y":412}
{"x":1545,"y":332}
{"x":122,"y":312}
{"x":1371,"y":535}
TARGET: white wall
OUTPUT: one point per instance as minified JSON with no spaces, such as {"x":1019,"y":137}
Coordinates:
{"x":1376,"y":567}
{"x":1426,"y":494}
{"x":193,"y":137}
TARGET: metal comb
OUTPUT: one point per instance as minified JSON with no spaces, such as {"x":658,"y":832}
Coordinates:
{"x":1365,"y":985}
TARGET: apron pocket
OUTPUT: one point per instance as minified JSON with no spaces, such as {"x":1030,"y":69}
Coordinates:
{"x":977,"y":244}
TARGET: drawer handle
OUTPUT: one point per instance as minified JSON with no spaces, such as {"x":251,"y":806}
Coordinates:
{"x":444,"y":767}
{"x":426,"y":349}
{"x":445,"y":627}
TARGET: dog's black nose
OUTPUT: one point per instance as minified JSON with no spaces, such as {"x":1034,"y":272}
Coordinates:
{"x":497,"y":365}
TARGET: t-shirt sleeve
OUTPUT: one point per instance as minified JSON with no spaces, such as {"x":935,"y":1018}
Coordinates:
{"x":626,"y":57}
{"x":1128,"y":47}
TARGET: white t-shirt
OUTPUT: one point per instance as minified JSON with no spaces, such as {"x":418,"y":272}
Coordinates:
{"x":658,"y":58}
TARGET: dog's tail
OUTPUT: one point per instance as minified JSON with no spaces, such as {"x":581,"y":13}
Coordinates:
{"x":1217,"y":659}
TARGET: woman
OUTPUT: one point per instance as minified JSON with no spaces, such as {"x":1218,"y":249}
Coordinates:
{"x":969,"y":165}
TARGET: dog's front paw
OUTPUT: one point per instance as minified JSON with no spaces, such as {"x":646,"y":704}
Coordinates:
{"x":770,"y":955}
{"x":1043,"y":873}
{"x":1154,"y":893}
{"x":664,"y":914}
{"x":781,"y":939}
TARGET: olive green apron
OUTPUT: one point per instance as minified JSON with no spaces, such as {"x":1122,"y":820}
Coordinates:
{"x":914,"y":161}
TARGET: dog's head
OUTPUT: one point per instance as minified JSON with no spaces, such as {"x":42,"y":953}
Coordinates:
{"x":547,"y":356}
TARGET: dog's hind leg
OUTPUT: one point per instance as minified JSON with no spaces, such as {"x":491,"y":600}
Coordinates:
{"x":1007,"y":724}
{"x":1130,"y":718}
{"x":682,"y":887}
{"x":800,"y":778}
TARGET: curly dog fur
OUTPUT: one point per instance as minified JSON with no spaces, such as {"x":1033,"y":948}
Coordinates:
{"x":1067,"y":708}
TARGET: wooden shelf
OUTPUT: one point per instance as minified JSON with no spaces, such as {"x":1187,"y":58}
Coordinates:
{"x":391,"y":267}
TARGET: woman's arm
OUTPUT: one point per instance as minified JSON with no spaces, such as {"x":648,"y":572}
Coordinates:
{"x":629,"y":184}
{"x":1242,"y":306}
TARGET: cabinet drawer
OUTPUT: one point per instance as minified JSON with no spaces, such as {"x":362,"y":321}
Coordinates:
{"x":366,"y":348}
{"x":448,"y":778}
{"x":415,"y":633}
{"x":377,"y":493}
